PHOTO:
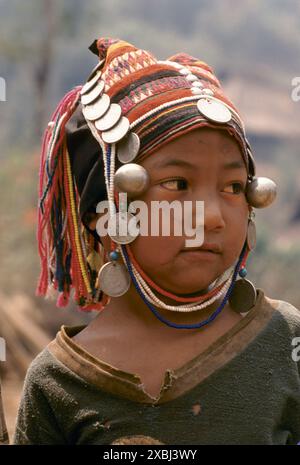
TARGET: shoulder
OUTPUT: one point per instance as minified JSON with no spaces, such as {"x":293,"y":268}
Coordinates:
{"x":46,"y":370}
{"x":284,"y":313}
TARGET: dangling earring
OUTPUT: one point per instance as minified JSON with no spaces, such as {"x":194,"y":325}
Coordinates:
{"x":113,"y":278}
{"x":243,"y":296}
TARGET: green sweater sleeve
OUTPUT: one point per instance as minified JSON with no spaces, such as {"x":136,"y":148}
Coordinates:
{"x":36,"y":422}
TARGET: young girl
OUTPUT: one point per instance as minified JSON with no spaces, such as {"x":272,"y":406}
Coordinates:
{"x":184,"y":350}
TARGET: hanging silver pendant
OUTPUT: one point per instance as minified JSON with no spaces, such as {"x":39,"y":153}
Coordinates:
{"x":97,"y":109}
{"x":261,"y":192}
{"x":93,"y":94}
{"x":132,"y":178}
{"x":243,"y":296}
{"x":89,"y":85}
{"x":113,"y":279}
{"x":122,"y":228}
{"x":110,"y":118}
{"x":128,"y":148}
{"x":251,"y":235}
{"x":117,"y":132}
{"x":214,"y":110}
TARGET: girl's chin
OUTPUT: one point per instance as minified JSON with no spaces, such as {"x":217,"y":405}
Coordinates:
{"x":188,"y":290}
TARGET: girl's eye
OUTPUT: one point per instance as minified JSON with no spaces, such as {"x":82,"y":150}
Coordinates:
{"x":238,"y":187}
{"x":175,"y":184}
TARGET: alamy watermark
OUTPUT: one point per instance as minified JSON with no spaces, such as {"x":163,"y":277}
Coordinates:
{"x":296,"y":351}
{"x":2,"y":350}
{"x":168,"y":218}
{"x":295,"y":95}
{"x":2,"y":89}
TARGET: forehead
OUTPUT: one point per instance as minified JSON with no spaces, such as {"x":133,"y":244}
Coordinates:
{"x":195,"y":145}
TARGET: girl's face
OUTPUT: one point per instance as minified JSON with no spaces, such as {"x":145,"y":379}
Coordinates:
{"x":205,"y":164}
{"x":196,"y":166}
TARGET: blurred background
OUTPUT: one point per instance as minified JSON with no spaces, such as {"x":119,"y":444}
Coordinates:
{"x":254,"y":48}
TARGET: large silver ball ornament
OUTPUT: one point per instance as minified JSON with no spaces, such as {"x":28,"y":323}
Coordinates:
{"x":261,"y":192}
{"x":132,"y":178}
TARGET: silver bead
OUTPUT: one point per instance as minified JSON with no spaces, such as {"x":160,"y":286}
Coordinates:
{"x":261,"y":192}
{"x":184,"y":71}
{"x":197,"y":84}
{"x":191,"y":78}
{"x":207,"y":91}
{"x":132,"y":178}
{"x":196,"y":90}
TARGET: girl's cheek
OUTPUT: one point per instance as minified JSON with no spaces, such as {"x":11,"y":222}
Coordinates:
{"x":155,"y":250}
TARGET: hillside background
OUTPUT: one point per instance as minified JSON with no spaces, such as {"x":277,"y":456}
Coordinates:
{"x":254,"y":48}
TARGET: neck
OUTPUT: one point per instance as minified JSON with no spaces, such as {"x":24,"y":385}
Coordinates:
{"x":131,"y":310}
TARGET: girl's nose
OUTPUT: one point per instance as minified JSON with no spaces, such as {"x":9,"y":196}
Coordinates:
{"x":213,"y":217}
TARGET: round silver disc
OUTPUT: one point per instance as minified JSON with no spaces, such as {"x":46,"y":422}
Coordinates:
{"x":90,"y":84}
{"x":91,"y":96}
{"x":122,"y":228}
{"x":243,"y":296}
{"x":117,"y":132}
{"x":128,"y":148}
{"x":97,"y":109}
{"x":213,"y":110}
{"x":114,"y":279}
{"x":110,"y":118}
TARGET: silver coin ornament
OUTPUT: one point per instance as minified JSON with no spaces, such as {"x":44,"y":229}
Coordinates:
{"x":123,"y":228}
{"x":93,"y":94}
{"x":97,"y":109}
{"x":110,"y":118}
{"x":132,"y":178}
{"x":214,"y":110}
{"x":243,"y":296}
{"x":261,"y":192}
{"x":117,"y":132}
{"x":251,"y":235}
{"x":128,"y":148}
{"x":90,"y":84}
{"x":113,"y":279}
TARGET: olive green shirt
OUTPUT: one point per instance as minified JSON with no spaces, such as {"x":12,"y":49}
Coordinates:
{"x":243,"y":389}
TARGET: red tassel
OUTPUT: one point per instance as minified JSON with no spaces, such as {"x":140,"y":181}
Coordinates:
{"x":63,"y":300}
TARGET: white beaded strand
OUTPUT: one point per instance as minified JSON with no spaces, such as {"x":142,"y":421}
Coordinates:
{"x":151,"y":297}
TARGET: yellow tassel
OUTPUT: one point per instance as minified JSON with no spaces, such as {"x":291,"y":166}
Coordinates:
{"x":94,"y":260}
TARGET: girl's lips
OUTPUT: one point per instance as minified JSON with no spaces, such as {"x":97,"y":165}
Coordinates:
{"x":197,"y":254}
